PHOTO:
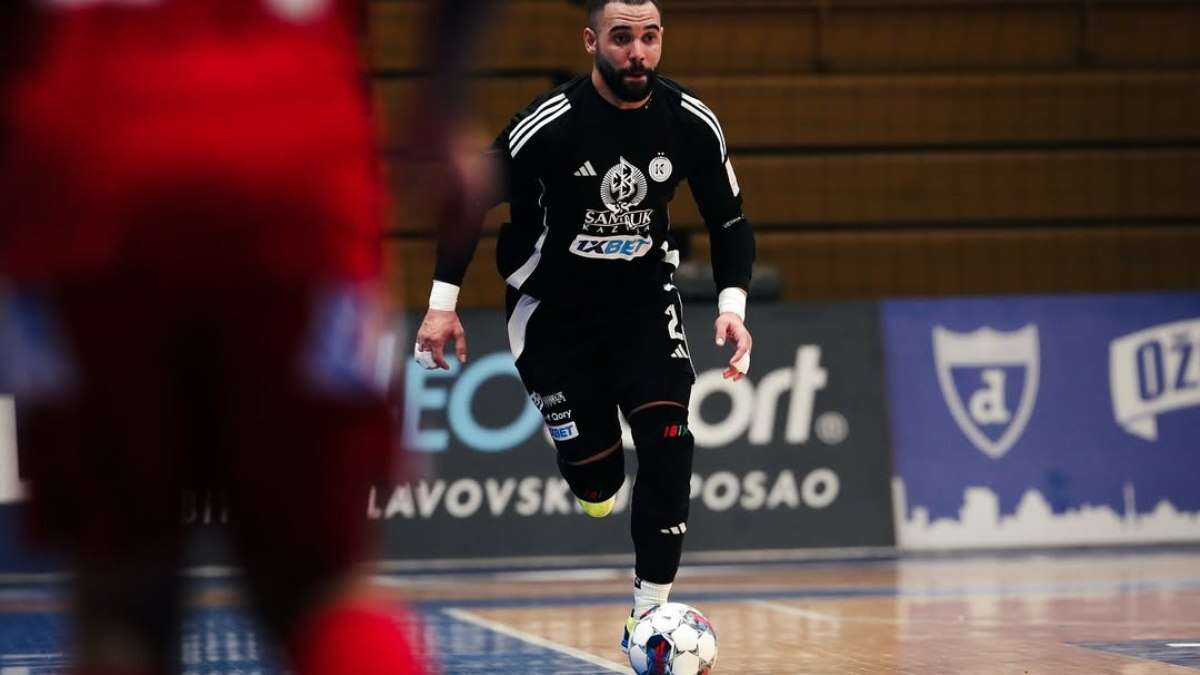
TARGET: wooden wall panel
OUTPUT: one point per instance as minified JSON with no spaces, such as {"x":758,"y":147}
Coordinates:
{"x":864,"y":265}
{"x":1140,"y":34}
{"x":830,"y":266}
{"x":802,"y":112}
{"x":942,"y":110}
{"x":962,"y":187}
{"x":494,"y":101}
{"x":915,"y":189}
{"x":941,"y":38}
{"x":526,"y":35}
{"x":744,"y":38}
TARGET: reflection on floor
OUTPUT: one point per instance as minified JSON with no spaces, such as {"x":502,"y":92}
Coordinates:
{"x":1128,"y":613}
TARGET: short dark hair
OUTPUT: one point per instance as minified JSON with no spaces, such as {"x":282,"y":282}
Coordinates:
{"x":594,"y":7}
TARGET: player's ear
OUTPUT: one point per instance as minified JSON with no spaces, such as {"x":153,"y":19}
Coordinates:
{"x":590,"y":40}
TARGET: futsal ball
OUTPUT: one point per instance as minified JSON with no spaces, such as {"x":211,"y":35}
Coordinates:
{"x":672,"y":639}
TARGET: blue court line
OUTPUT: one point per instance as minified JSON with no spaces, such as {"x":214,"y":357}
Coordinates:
{"x":889,"y":557}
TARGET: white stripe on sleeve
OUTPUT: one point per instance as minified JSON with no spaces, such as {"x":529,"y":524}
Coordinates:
{"x":533,"y":132}
{"x":523,"y":124}
{"x":711,"y":125}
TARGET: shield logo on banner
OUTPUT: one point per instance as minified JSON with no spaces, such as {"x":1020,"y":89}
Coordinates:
{"x":979,"y":373}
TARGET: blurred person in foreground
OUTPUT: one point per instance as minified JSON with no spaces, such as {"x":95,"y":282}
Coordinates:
{"x":189,"y":250}
{"x":594,"y":319}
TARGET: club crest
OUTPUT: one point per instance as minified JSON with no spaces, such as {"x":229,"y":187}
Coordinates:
{"x":989,"y":380}
{"x":661,"y":169}
{"x":623,"y":187}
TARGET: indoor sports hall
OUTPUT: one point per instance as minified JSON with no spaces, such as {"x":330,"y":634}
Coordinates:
{"x":969,"y":441}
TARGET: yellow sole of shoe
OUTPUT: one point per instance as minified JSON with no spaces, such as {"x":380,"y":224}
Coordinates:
{"x":598,"y":509}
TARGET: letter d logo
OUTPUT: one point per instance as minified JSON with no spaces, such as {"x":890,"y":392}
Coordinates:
{"x":983,"y":364}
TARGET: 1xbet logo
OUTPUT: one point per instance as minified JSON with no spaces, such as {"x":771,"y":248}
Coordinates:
{"x":611,"y":248}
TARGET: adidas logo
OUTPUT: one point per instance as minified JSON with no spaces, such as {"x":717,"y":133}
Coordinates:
{"x":680,"y":353}
{"x":678,"y":529}
{"x":585,"y":170}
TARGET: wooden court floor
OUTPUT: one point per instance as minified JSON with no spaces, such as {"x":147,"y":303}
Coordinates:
{"x":1125,"y":613}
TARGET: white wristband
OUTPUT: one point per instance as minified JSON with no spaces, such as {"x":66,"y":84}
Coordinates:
{"x":443,"y":297}
{"x":733,"y":300}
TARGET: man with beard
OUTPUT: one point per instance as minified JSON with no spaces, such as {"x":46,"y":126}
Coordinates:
{"x":594,"y":321}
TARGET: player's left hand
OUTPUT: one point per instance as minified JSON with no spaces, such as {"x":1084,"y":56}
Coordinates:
{"x":436,"y":332}
{"x":729,"y":326}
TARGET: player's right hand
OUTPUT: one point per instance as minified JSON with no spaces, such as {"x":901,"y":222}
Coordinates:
{"x":438,"y":328}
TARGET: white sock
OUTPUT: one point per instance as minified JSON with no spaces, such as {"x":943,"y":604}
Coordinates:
{"x":647,"y":595}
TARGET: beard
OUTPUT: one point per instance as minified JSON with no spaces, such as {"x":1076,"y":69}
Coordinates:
{"x":630,"y":92}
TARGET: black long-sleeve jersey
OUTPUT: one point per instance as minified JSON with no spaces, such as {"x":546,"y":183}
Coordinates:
{"x":589,"y":186}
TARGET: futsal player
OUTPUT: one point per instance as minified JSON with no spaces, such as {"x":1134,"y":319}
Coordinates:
{"x":594,"y":321}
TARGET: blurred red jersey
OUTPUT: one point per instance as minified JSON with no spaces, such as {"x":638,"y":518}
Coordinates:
{"x":199,"y":136}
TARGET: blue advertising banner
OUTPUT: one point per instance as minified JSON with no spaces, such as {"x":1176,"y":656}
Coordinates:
{"x":794,"y":456}
{"x":1052,"y":420}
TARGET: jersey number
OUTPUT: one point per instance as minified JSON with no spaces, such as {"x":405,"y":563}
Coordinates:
{"x":673,"y":324}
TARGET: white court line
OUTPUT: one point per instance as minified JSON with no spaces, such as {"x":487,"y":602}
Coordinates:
{"x":1183,"y":644}
{"x":977,"y":623}
{"x":468,"y":617}
{"x":825,"y":616}
{"x":796,"y":611}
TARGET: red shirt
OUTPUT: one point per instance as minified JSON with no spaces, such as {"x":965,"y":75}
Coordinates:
{"x":188,"y":134}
